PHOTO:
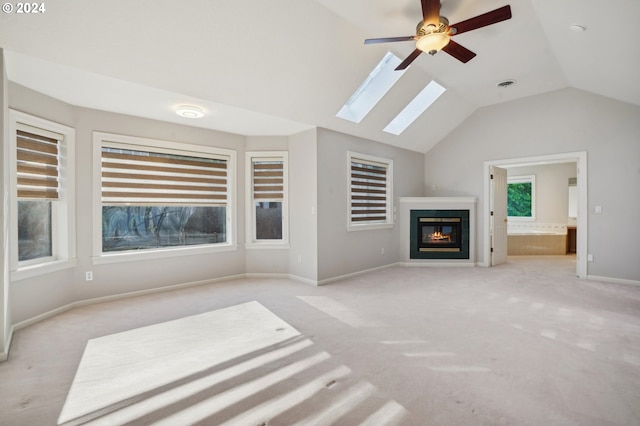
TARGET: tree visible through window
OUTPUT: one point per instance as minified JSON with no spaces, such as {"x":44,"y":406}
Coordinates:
{"x":521,"y":197}
{"x":37,"y":179}
{"x":267,"y":196}
{"x":157,"y":198}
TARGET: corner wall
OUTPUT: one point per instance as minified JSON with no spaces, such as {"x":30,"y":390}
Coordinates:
{"x":341,"y":252}
{"x":62,"y":288}
{"x":567,"y":120}
{"x":303,"y":206}
{"x":5,"y":306}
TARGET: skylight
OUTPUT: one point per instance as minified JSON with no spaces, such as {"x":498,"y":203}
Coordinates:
{"x":372,"y":89}
{"x":415,"y":108}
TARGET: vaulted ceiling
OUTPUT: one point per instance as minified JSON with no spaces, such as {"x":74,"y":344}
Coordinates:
{"x":281,"y":66}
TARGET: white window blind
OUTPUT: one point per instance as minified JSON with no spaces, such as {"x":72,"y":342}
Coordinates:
{"x":141,"y":177}
{"x":268,"y":180}
{"x":369,"y":191}
{"x":37,"y":165}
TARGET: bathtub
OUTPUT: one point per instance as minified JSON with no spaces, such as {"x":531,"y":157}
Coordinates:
{"x":536,"y":239}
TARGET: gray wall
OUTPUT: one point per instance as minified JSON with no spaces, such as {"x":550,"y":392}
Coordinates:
{"x":567,"y":120}
{"x":341,"y":252}
{"x":5,"y":307}
{"x":60,"y":288}
{"x":303,"y":206}
{"x":552,"y":190}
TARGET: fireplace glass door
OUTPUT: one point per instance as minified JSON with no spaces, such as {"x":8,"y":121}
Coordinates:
{"x":442,"y":234}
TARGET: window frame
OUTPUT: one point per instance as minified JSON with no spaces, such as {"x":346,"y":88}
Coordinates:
{"x":160,"y":146}
{"x":63,"y":231}
{"x":251,"y":241}
{"x":389,"y":214}
{"x":524,"y":179}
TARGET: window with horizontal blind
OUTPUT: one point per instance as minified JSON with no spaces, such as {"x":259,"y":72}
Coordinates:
{"x":267,"y":197}
{"x":41,"y":159}
{"x":370,"y":191}
{"x":159,"y":194}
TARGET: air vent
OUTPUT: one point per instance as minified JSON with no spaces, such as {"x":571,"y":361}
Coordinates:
{"x":506,"y":83}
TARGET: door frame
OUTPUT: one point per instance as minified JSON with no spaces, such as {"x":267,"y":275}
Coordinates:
{"x":580,"y":158}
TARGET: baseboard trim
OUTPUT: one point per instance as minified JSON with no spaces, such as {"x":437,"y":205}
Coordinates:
{"x":613,"y":280}
{"x":266,"y":275}
{"x":22,"y":324}
{"x":355,"y":274}
{"x":303,"y":280}
{"x":5,"y":354}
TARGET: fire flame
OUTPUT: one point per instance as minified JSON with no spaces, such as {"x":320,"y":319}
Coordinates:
{"x":439,"y":236}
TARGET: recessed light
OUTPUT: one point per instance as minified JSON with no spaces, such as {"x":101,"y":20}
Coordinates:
{"x":577,"y":28}
{"x":506,"y":83}
{"x":188,"y":111}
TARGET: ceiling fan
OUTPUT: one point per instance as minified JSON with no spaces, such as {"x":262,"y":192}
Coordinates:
{"x":434,"y":33}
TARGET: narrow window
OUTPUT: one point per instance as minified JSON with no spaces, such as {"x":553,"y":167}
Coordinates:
{"x":370,"y":184}
{"x":267,"y":197}
{"x":37,"y":184}
{"x":42,"y":159}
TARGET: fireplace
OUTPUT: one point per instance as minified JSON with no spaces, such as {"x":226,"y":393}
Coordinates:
{"x":439,"y":234}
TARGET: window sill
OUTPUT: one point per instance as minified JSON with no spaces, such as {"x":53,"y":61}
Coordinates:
{"x":266,"y":246}
{"x":520,"y":219}
{"x":42,"y":269}
{"x":369,"y":227}
{"x":134,"y":256}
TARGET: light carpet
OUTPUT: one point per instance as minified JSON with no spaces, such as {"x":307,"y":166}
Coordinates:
{"x":525,"y":343}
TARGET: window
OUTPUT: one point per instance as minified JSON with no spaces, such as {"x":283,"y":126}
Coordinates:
{"x":521,"y":197}
{"x":41,"y":167}
{"x":267,"y":218}
{"x":159,"y":195}
{"x":372,"y":90}
{"x":370,"y":192}
{"x":415,"y":108}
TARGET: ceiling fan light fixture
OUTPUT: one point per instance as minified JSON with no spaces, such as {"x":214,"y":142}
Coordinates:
{"x":433,"y":43}
{"x":189,"y":111}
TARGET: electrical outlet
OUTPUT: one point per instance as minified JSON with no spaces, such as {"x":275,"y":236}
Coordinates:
{"x":89,"y":276}
{"x":589,"y":258}
{"x":382,"y":250}
{"x":299,"y":258}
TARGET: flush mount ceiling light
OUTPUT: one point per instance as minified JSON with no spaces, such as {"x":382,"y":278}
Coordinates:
{"x":189,"y":111}
{"x":577,"y":28}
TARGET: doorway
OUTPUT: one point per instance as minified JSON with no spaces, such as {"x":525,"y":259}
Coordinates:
{"x":495,"y":242}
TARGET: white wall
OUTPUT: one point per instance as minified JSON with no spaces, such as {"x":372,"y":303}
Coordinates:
{"x":341,"y":252}
{"x":552,"y":190}
{"x":567,"y":120}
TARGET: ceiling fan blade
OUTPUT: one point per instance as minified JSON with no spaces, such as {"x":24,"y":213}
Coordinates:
{"x":431,"y":12}
{"x":459,"y":52}
{"x":388,"y":39}
{"x":489,"y":18}
{"x":412,"y":57}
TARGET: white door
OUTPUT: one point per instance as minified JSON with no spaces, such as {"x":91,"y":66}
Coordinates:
{"x":498,"y":220}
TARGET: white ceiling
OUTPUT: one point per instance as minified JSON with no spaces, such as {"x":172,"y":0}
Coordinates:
{"x":281,"y":66}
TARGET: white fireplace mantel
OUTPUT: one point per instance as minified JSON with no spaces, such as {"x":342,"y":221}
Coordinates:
{"x":436,"y":203}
